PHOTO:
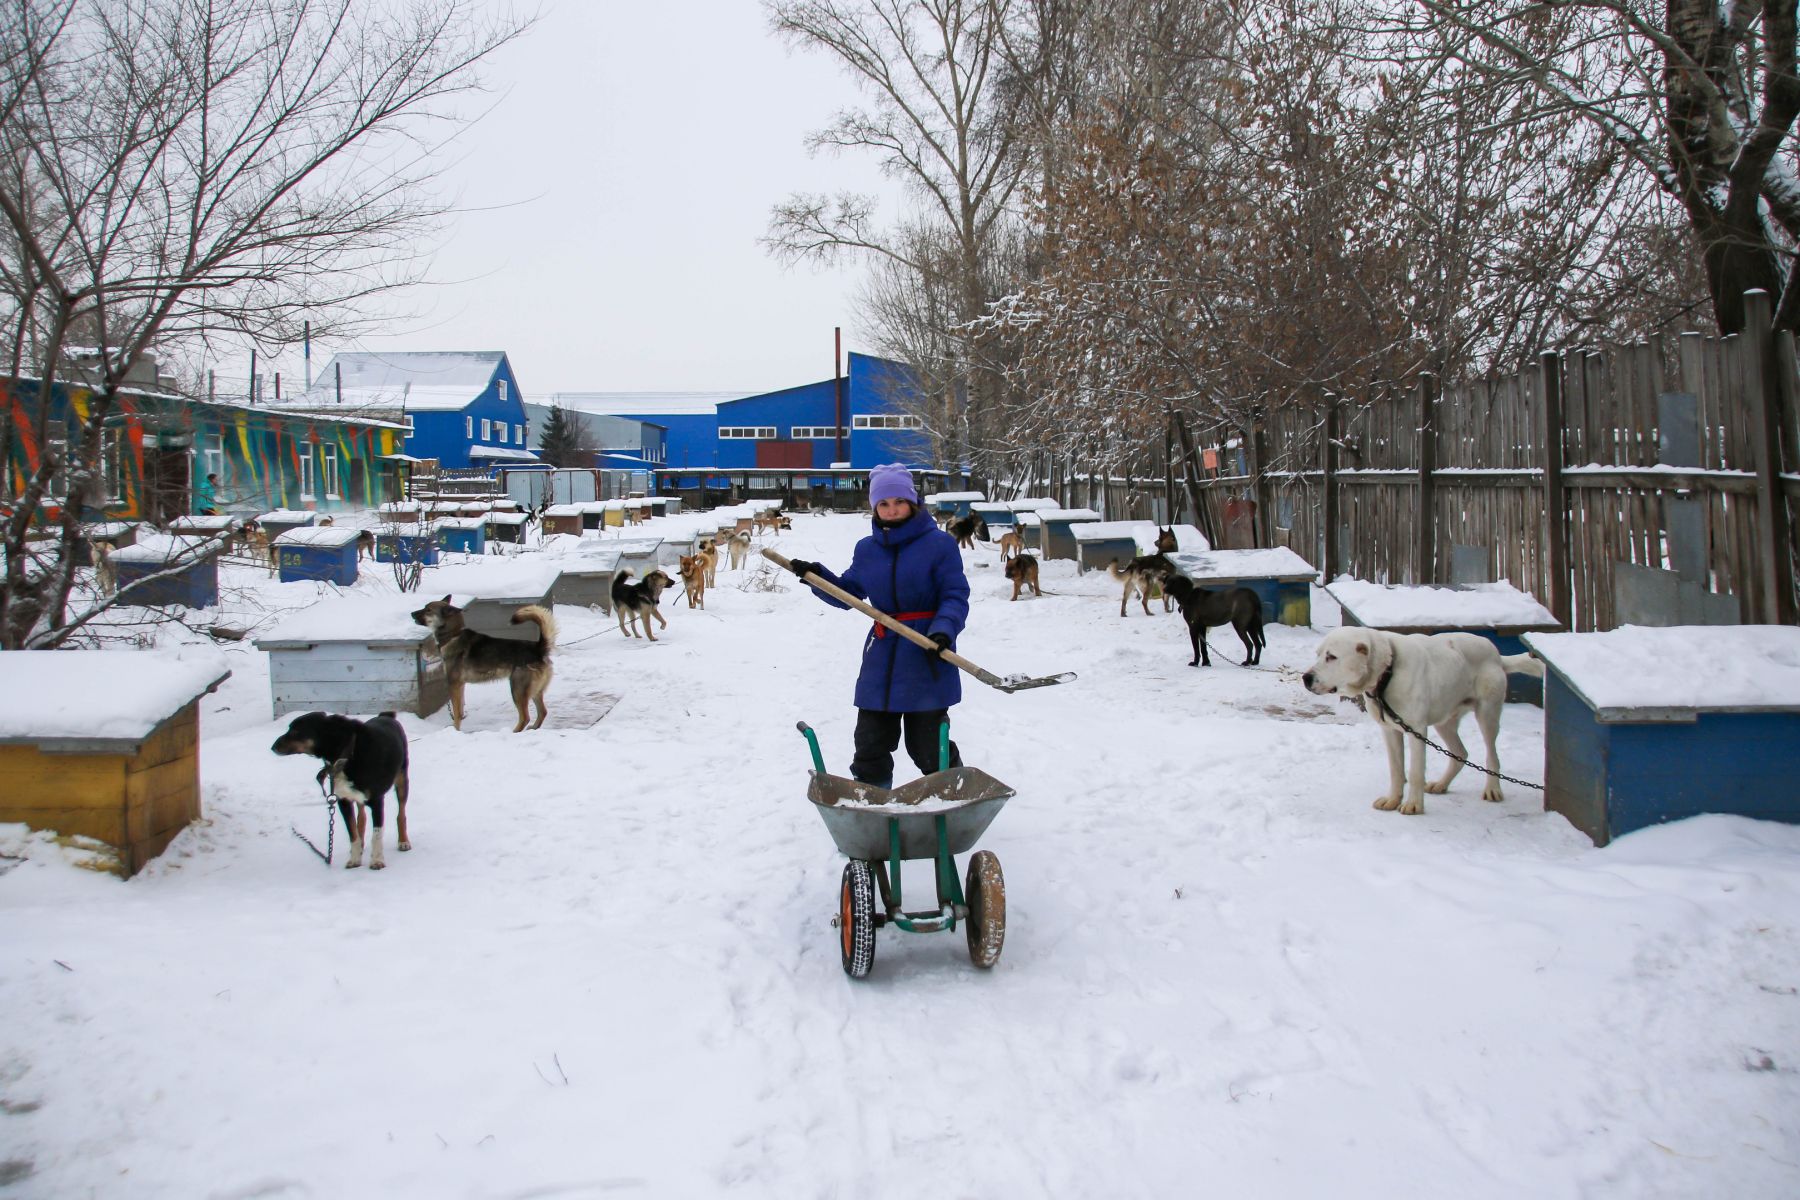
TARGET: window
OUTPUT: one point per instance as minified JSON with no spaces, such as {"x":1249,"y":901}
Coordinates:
{"x":761,"y":432}
{"x":487,"y":430}
{"x":500,"y":429}
{"x":212,"y":457}
{"x":887,"y":421}
{"x":469,"y":427}
{"x":816,"y":432}
{"x":329,"y":455}
{"x":406,"y":422}
{"x":503,"y":393}
{"x":519,"y":434}
{"x":306,"y":472}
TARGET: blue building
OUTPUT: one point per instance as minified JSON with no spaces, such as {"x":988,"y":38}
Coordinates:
{"x":867,"y":418}
{"x":462,"y":408}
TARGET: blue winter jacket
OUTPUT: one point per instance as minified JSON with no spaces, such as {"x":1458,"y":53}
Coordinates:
{"x":911,"y":568}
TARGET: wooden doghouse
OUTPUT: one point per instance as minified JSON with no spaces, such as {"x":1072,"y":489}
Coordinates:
{"x":326,"y":553}
{"x":104,"y":745}
{"x":562,"y":518}
{"x":192,"y":563}
{"x":1099,"y":543}
{"x":489,"y":592}
{"x":462,"y":535}
{"x":1498,"y":612}
{"x":1281,"y":579}
{"x":1058,"y":535}
{"x":400,"y":512}
{"x":507,"y":526}
{"x":639,"y":555}
{"x":274,"y":524}
{"x":118,"y":534}
{"x":357,"y":655}
{"x":406,"y":544}
{"x":593,"y":514}
{"x":1643,"y":726}
{"x":998,"y":518}
{"x":585,"y":578}
{"x":950,"y":504}
{"x":201,"y":525}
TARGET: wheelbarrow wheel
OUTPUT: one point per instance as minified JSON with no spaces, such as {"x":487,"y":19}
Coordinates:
{"x":856,"y":918}
{"x":985,"y":894}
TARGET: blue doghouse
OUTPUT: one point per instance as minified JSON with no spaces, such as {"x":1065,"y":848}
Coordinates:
{"x":1499,"y":612}
{"x":1281,"y":579}
{"x":406,"y":544}
{"x":1643,"y":726}
{"x":327,"y":554}
{"x":192,"y":564}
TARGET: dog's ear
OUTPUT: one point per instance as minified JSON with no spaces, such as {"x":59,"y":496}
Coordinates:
{"x":447,"y":603}
{"x":1362,"y":648}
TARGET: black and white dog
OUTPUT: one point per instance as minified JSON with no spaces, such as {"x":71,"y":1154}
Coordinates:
{"x":363,"y":759}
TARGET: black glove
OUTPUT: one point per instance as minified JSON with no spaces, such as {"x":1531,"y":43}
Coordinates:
{"x":943,"y":642}
{"x":803,"y":568}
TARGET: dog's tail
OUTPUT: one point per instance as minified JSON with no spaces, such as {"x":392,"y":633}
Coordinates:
{"x":1522,"y":664}
{"x":1116,"y":571}
{"x":545,"y":622}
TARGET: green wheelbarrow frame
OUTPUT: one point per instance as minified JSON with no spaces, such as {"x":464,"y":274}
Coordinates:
{"x":940,"y":816}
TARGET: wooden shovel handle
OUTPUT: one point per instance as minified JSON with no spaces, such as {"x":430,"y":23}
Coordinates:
{"x":906,"y":631}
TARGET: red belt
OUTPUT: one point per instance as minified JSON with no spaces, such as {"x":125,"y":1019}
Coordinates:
{"x":881,"y":630}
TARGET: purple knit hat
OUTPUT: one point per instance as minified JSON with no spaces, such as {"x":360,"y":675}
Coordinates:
{"x":891,"y":481}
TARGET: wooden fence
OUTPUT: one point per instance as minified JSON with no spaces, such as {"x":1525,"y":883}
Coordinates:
{"x":1576,"y":478}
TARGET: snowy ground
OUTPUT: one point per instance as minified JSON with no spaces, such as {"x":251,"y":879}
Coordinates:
{"x":607,"y":966}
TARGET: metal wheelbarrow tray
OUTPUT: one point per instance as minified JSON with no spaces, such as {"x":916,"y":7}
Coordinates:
{"x":937,"y":817}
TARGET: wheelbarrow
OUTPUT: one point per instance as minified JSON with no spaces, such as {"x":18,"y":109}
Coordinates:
{"x":937,"y":818}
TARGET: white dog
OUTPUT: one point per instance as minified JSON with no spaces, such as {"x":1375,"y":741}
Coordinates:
{"x":1426,"y":681}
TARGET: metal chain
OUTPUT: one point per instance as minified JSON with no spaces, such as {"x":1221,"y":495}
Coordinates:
{"x":1395,"y":717}
{"x":330,"y":825}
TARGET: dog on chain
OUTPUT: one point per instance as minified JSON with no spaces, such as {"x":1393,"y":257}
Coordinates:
{"x":738,"y":545}
{"x":635,"y":601}
{"x":709,"y":551}
{"x":966,"y":529}
{"x":1011,"y":543}
{"x":1023,"y":571}
{"x":1239,"y":608}
{"x":693,"y":579}
{"x":472,"y":657}
{"x":1424,"y":681}
{"x":363,"y":759}
{"x":1141,"y":575}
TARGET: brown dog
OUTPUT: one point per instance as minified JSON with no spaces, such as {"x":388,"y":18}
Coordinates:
{"x":1011,"y":543}
{"x":693,"y":579}
{"x":1023,"y":571}
{"x":710,"y":552}
{"x":471,"y":657}
{"x":739,"y":546}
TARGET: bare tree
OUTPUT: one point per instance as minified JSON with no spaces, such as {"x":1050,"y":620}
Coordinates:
{"x":173,"y":170}
{"x":939,"y":121}
{"x":1701,"y":96}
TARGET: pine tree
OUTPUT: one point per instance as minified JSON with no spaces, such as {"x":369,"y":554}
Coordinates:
{"x":565,"y":440}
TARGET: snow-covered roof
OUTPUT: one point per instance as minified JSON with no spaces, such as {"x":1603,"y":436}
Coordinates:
{"x":1068,"y":514}
{"x":948,"y":497}
{"x":1635,"y":671}
{"x":416,"y":381}
{"x":1478,"y":606}
{"x":169,"y":548}
{"x":319,"y":535}
{"x":624,"y":404}
{"x":1032,"y":504}
{"x":1273,"y":562}
{"x":290,"y":516}
{"x":112,"y":697}
{"x":1102,"y":531}
{"x":503,"y":452}
{"x":527,"y":580}
{"x":364,"y":619}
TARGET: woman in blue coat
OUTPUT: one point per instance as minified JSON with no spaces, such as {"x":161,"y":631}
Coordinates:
{"x":910,"y":569}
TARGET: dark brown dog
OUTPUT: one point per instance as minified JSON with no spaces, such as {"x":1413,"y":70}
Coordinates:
{"x":471,"y":657}
{"x":363,"y":760}
{"x":966,"y":529}
{"x":1141,"y":575}
{"x":1023,"y":571}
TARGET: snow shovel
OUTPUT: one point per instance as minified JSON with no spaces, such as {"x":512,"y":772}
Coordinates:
{"x":1010,"y":683}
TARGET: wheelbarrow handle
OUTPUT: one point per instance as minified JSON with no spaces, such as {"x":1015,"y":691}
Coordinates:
{"x":906,"y":631}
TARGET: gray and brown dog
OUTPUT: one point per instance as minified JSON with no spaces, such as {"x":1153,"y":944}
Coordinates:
{"x":472,"y":657}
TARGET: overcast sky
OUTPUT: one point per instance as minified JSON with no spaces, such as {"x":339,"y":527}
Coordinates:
{"x":613,"y":200}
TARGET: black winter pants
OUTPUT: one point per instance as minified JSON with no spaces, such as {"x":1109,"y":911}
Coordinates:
{"x":878,"y":733}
